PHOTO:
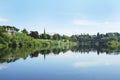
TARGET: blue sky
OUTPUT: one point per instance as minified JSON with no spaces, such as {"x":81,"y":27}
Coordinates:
{"x":62,"y":16}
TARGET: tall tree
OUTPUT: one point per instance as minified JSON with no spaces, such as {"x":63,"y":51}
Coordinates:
{"x":65,"y":37}
{"x":56,"y":37}
{"x":34,"y":34}
{"x":25,"y":31}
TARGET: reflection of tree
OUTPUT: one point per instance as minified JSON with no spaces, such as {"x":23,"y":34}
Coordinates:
{"x":45,"y":51}
{"x":99,"y":49}
{"x":34,"y":54}
{"x":56,"y":51}
{"x":11,"y":55}
{"x":64,"y":50}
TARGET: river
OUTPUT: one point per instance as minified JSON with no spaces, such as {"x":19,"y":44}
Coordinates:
{"x":63,"y":66}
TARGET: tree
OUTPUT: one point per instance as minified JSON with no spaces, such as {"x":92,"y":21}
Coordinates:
{"x":16,"y":29}
{"x":56,"y":37}
{"x":65,"y":37}
{"x":25,"y":31}
{"x":73,"y":38}
{"x":2,"y":29}
{"x":98,"y":35}
{"x":34,"y":34}
{"x":48,"y":36}
{"x":45,"y":36}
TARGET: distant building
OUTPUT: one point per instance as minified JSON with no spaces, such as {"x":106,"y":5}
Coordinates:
{"x":9,"y":29}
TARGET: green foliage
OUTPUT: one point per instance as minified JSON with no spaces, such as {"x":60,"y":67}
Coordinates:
{"x":97,"y":40}
{"x":2,"y":29}
{"x":45,"y":36}
{"x":2,"y":46}
{"x":74,"y":38}
{"x":34,"y":34}
{"x":5,"y":38}
{"x":114,"y":44}
{"x":56,"y":37}
{"x":44,"y":43}
{"x":33,"y":39}
{"x":25,"y":31}
{"x":65,"y":37}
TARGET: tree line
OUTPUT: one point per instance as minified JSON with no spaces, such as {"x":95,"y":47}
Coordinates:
{"x":36,"y":35}
{"x":108,"y":39}
{"x":10,"y":36}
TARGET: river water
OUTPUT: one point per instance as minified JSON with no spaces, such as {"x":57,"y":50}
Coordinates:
{"x":63,"y":66}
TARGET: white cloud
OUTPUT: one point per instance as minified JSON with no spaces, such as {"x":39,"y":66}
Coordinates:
{"x":3,"y":67}
{"x":3,"y":20}
{"x":92,"y":27}
{"x":96,"y":24}
{"x":84,"y":64}
{"x":85,"y":23}
{"x":93,"y":64}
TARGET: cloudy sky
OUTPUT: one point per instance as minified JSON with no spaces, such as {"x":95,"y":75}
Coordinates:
{"x":62,"y":16}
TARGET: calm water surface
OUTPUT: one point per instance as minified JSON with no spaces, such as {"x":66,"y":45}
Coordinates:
{"x":64,"y":66}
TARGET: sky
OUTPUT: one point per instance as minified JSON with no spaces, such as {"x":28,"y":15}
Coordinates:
{"x":62,"y":16}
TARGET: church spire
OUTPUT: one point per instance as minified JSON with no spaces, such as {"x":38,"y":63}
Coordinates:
{"x":44,"y":31}
{"x":44,"y":56}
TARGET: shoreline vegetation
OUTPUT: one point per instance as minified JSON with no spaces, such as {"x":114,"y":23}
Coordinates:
{"x":12,"y":38}
{"x":15,"y":44}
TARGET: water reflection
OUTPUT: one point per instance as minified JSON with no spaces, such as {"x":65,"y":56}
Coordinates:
{"x":3,"y":67}
{"x":11,"y":55}
{"x":98,"y":49}
{"x":60,"y":64}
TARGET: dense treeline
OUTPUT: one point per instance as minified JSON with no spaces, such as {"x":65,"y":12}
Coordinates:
{"x":44,"y":35}
{"x":10,"y":37}
{"x":11,"y":55}
{"x":108,"y":39}
{"x":23,"y":43}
